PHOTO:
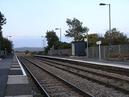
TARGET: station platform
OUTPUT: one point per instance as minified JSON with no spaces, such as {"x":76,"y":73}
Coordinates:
{"x":14,"y":81}
{"x":84,"y":59}
{"x":4,"y":68}
{"x":112,"y":63}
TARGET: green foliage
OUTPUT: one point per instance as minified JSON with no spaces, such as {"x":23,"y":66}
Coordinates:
{"x":2,"y":22}
{"x":46,"y":49}
{"x":92,"y":39}
{"x":76,"y":30}
{"x":52,"y":41}
{"x":64,"y":45}
{"x":116,"y":37}
{"x":5,"y":44}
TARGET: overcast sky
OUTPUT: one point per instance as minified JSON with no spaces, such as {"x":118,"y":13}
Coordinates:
{"x":28,"y":20}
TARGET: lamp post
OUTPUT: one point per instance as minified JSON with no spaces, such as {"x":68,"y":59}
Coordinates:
{"x":109,"y":5}
{"x":60,"y":32}
{"x":11,"y":41}
{"x":43,"y":41}
{"x":86,"y":39}
{"x":9,"y":38}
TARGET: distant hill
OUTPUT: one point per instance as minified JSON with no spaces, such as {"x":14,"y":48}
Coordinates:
{"x":29,"y":48}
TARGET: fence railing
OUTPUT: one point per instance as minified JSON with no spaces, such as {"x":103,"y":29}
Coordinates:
{"x":60,"y":52}
{"x":112,"y":52}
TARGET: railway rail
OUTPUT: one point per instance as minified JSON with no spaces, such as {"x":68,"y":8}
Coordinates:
{"x":51,"y":84}
{"x":114,"y":68}
{"x":116,"y":81}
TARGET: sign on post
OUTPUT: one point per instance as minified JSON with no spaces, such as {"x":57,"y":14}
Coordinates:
{"x":99,"y":43}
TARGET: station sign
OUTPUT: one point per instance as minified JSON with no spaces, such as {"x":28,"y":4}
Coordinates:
{"x":98,"y":42}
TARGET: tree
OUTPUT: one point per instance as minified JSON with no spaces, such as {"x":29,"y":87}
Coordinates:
{"x":2,"y":22}
{"x":76,"y":30}
{"x":64,"y":45}
{"x":92,"y":39}
{"x":5,"y":44}
{"x":116,"y":37}
{"x":52,"y":39}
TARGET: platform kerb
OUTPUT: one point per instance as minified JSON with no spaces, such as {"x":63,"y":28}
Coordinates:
{"x":17,"y":84}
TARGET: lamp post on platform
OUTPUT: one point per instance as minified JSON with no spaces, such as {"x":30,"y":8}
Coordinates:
{"x":43,"y":41}
{"x":86,"y":40}
{"x":60,"y":32}
{"x":109,"y":5}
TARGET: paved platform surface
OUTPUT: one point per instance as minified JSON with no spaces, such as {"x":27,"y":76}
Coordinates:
{"x":126,"y":63}
{"x":17,"y":84}
{"x":120,"y":64}
{"x":4,"y":68}
{"x":14,"y":82}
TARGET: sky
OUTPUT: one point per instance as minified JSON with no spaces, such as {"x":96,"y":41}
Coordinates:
{"x":28,"y":20}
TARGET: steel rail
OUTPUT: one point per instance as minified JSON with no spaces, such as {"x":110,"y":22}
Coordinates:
{"x":104,"y":66}
{"x":34,"y":78}
{"x":65,"y":81}
{"x":89,"y":71}
{"x":93,"y":79}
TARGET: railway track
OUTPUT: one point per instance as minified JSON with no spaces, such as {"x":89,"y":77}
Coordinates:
{"x":116,"y":81}
{"x":99,"y":66}
{"x":51,"y":84}
{"x":113,"y":80}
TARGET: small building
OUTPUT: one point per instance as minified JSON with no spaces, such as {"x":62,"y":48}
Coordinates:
{"x":78,"y":48}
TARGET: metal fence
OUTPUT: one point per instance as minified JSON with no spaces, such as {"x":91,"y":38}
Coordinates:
{"x":60,"y":52}
{"x":112,"y":52}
